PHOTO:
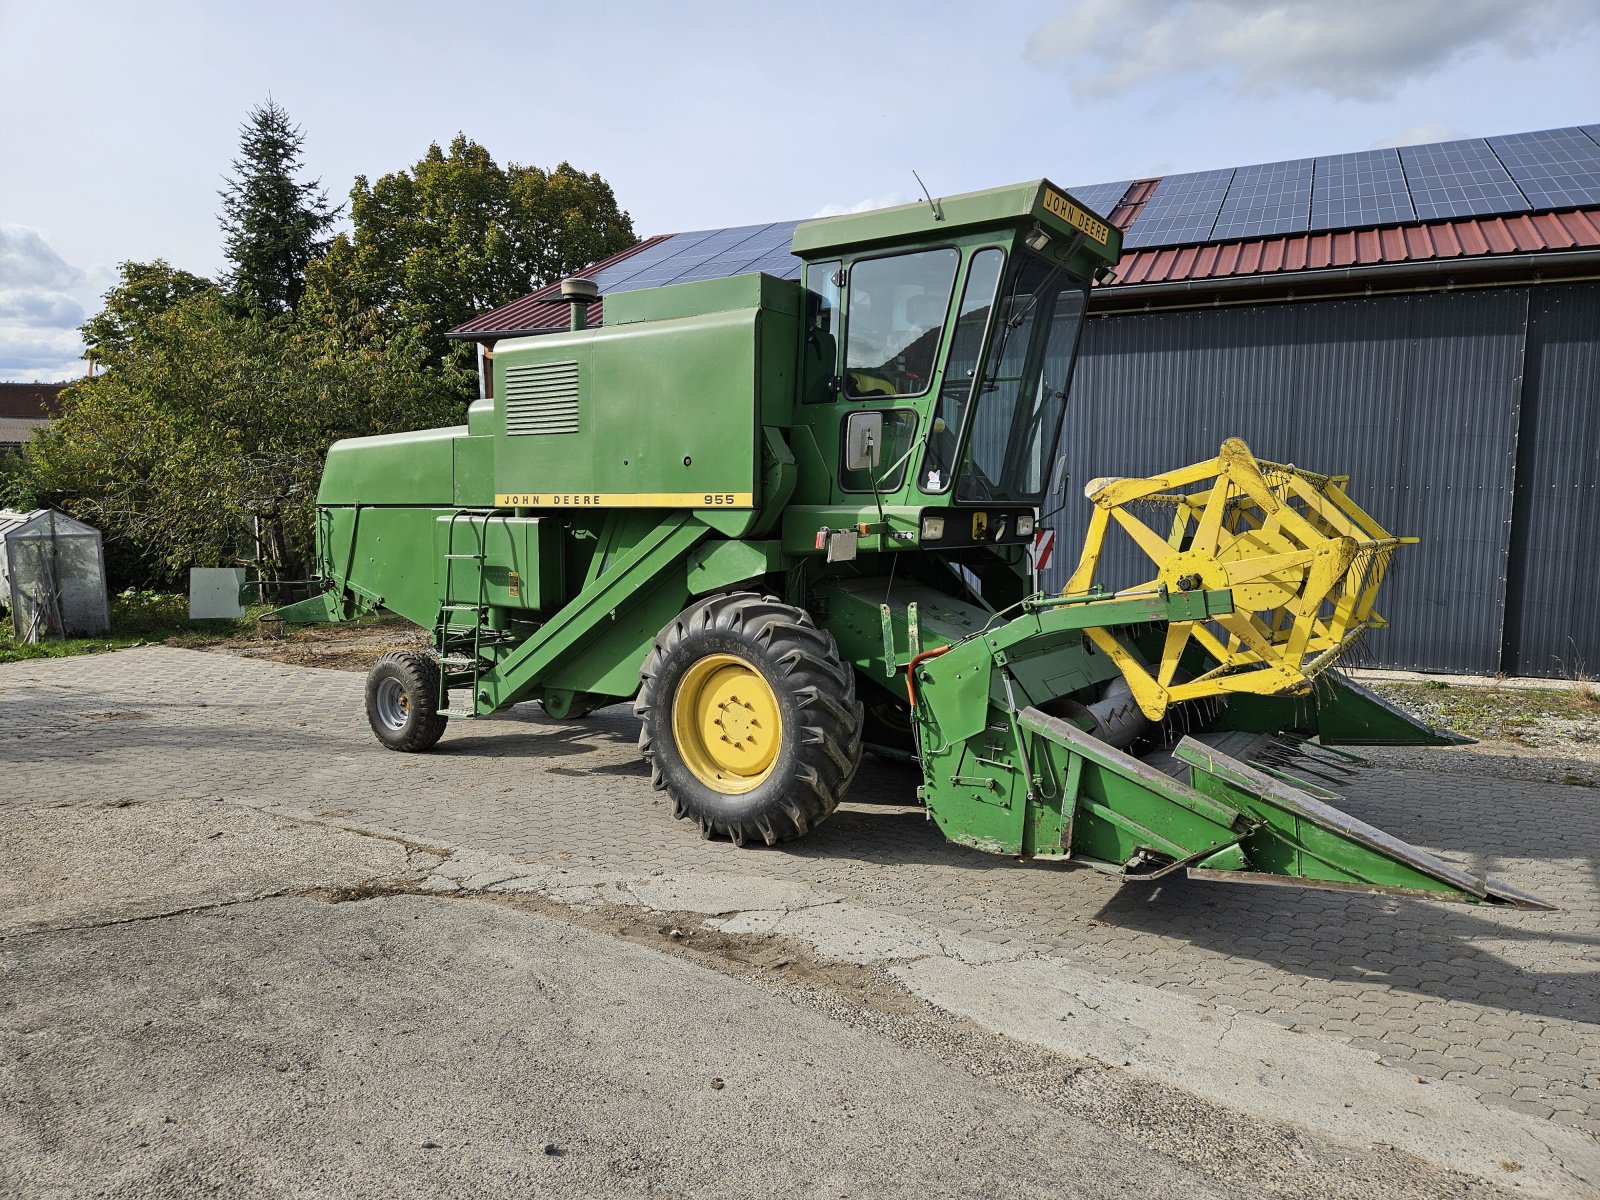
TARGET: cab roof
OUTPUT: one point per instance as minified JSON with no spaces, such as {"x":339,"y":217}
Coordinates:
{"x":1018,"y":204}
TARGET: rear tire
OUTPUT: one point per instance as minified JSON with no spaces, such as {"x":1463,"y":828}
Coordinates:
{"x":749,"y":719}
{"x":403,"y":701}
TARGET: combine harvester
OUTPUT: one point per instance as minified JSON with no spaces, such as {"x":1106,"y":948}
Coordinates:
{"x":781,"y":516}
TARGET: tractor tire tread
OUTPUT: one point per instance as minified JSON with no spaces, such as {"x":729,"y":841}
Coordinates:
{"x":826,"y":741}
{"x":419,"y":675}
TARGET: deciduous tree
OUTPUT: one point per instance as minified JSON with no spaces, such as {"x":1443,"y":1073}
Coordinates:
{"x":145,"y":293}
{"x":458,"y":234}
{"x":203,"y":443}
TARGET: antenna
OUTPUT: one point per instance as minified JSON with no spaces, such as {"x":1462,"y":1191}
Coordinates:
{"x":938,"y":213}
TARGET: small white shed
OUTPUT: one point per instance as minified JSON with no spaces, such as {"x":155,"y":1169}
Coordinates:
{"x":52,"y":575}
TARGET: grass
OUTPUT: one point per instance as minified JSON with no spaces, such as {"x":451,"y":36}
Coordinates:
{"x":1512,"y":714}
{"x":137,"y":619}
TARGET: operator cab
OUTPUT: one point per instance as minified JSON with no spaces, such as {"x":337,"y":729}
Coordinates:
{"x":955,"y":325}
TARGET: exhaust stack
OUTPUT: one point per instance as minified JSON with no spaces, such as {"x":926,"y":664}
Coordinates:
{"x":580,"y":293}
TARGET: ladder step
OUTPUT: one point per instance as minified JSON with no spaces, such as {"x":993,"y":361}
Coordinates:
{"x":463,"y":607}
{"x":456,"y":661}
{"x":457,"y":712}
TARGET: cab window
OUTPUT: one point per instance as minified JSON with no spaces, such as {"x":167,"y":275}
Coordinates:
{"x":822,"y":346}
{"x":896,"y":313}
{"x":961,"y":369}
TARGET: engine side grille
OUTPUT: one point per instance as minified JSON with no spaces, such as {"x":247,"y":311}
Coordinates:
{"x":542,"y":398}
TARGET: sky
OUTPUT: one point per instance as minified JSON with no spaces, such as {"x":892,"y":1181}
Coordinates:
{"x":118,"y":121}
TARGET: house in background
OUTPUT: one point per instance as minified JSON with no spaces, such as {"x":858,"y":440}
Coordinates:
{"x":25,"y":407}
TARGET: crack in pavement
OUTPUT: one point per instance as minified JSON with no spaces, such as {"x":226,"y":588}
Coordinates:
{"x":163,"y":915}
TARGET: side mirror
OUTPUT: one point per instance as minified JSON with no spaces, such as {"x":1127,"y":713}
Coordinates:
{"x":863,"y":440}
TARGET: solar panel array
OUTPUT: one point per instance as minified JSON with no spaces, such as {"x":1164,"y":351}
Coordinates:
{"x":1525,"y":172}
{"x":1556,"y":168}
{"x":705,"y":254}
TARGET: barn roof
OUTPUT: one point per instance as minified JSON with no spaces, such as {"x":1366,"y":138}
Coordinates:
{"x":1495,"y":202}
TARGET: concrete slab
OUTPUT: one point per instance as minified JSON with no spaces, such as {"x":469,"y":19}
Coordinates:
{"x":69,"y":864}
{"x":409,"y":1046}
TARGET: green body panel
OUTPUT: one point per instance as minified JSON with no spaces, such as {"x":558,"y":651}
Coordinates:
{"x":474,"y":471}
{"x":1337,"y":711}
{"x":368,"y":551}
{"x":685,"y":398}
{"x":523,"y":567}
{"x":394,"y":468}
{"x":718,"y":565}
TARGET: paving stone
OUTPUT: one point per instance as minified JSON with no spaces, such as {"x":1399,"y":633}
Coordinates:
{"x":1502,"y":1000}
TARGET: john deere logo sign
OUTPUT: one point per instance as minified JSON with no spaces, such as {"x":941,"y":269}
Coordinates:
{"x":624,"y":500}
{"x":1058,"y":205}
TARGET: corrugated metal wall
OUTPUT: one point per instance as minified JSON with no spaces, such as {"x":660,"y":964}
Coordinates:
{"x":1420,"y":399}
{"x":1553,"y":597}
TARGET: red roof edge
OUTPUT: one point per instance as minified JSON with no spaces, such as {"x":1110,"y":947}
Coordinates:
{"x":544,"y":309}
{"x":1424,"y":241}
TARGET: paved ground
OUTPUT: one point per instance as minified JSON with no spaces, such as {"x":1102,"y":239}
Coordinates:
{"x":1502,"y":1003}
{"x":172,"y":1028}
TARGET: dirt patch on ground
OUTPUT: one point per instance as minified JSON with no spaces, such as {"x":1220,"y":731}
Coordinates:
{"x":1259,"y":1157}
{"x":346,"y":647}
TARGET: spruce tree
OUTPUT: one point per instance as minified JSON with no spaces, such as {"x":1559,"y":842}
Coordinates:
{"x":274,"y":224}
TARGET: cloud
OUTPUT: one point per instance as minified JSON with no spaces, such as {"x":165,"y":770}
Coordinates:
{"x":1354,"y":50}
{"x":839,"y":210}
{"x":1419,"y":135}
{"x":33,"y":306}
{"x":26,"y":259}
{"x":39,"y":316}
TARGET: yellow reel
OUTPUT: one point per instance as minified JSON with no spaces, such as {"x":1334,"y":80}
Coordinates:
{"x":1302,"y":560}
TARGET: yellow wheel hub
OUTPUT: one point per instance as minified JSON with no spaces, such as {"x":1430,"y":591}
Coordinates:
{"x":726,"y":723}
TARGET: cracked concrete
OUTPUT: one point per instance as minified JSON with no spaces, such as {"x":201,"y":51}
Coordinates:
{"x":984,"y":945}
{"x":1234,"y":1059}
{"x":191,"y":854}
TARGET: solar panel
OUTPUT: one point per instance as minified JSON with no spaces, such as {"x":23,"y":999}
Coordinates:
{"x":726,"y":252}
{"x":1459,"y":179}
{"x":623,"y":276}
{"x":1183,"y":209}
{"x":1353,"y":190}
{"x":1555,"y":168}
{"x":1100,"y":197}
{"x":706,"y":254}
{"x":1264,"y":200}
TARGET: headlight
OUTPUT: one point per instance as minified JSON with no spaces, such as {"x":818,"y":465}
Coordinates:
{"x":932,"y":528}
{"x":1025,"y":526}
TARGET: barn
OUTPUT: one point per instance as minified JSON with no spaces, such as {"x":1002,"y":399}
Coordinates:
{"x":1425,"y":319}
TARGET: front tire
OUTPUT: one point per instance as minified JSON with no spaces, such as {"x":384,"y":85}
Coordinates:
{"x":749,"y":719}
{"x":403,"y":701}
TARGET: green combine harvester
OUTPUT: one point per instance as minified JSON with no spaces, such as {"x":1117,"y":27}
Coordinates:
{"x":789,"y":518}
